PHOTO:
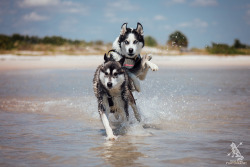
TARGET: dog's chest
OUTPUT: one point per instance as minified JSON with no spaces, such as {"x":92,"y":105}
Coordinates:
{"x":117,"y":102}
{"x":129,"y":63}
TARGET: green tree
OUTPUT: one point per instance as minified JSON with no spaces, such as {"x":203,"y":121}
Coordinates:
{"x":223,"y":49}
{"x":150,"y":41}
{"x":177,"y":40}
{"x":238,"y":45}
{"x":54,"y":40}
{"x":6,"y":42}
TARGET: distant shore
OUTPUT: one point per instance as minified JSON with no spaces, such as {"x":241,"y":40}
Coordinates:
{"x":14,"y":62}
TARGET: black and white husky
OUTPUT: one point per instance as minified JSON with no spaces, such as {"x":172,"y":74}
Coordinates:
{"x":129,"y":45}
{"x":112,"y":89}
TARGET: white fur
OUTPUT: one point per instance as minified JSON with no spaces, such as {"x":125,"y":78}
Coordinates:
{"x":153,"y":66}
{"x":119,"y":112}
{"x":116,"y":81}
{"x":109,"y":132}
{"x":123,"y":29}
{"x":108,"y":70}
{"x":116,"y":56}
{"x":116,"y":46}
{"x":124,"y":50}
{"x":135,"y":81}
{"x":136,"y":47}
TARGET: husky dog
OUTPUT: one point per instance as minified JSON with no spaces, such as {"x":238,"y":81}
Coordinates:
{"x":129,"y":45}
{"x":112,"y":89}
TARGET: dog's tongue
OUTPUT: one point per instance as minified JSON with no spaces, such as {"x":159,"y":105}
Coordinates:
{"x":128,"y":63}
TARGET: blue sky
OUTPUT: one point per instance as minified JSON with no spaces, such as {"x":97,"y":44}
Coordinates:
{"x":202,"y":21}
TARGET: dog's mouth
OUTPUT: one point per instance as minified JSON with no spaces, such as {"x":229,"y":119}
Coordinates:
{"x":131,"y":54}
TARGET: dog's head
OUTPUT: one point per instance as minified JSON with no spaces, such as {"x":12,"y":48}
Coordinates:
{"x":112,"y":75}
{"x":131,"y":41}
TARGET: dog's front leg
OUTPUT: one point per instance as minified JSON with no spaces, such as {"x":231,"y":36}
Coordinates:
{"x":146,"y":64}
{"x":137,"y":114}
{"x":105,"y":121}
{"x":153,"y":66}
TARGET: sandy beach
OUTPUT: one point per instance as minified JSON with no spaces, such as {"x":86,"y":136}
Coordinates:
{"x":13,"y":62}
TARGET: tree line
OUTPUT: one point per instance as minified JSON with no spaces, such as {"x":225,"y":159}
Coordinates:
{"x":16,"y":40}
{"x":176,"y":40}
{"x":236,"y":48}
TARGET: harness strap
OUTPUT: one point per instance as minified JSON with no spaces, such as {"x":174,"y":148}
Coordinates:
{"x":110,"y":100}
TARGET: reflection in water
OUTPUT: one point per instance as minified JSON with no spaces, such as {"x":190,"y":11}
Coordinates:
{"x":120,"y":153}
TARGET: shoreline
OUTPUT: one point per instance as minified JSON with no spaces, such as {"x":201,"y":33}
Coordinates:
{"x":13,"y":62}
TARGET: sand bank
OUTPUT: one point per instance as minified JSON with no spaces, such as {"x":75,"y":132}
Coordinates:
{"x":13,"y":62}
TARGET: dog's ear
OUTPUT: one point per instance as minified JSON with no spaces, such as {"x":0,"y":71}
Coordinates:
{"x":139,"y":28}
{"x":106,"y":59}
{"x":121,"y":61}
{"x":123,"y":29}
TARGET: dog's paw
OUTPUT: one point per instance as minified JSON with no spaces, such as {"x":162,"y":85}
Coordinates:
{"x":112,"y":138}
{"x":153,"y":66}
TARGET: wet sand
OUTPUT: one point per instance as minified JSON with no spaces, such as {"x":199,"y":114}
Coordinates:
{"x":192,"y":109}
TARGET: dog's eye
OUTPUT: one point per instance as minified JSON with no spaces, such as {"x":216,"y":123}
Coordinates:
{"x":126,"y":42}
{"x":135,"y":42}
{"x":115,"y":74}
{"x":106,"y":73}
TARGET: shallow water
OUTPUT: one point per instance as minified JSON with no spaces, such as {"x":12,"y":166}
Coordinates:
{"x":190,"y":118}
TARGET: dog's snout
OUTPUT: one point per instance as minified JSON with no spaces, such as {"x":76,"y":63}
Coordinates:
{"x":109,"y":84}
{"x":130,"y":50}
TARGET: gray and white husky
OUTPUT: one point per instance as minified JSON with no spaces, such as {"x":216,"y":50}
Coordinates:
{"x":129,"y":45}
{"x":112,"y":89}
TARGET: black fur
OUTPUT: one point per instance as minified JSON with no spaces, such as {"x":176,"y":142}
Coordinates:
{"x":137,"y":66}
{"x":113,"y":66}
{"x":100,"y":90}
{"x":138,"y":36}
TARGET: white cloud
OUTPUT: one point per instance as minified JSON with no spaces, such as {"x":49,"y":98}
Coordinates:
{"x":113,"y":18}
{"x":196,"y":23}
{"x":204,"y":3}
{"x":33,"y":16}
{"x":38,"y":3}
{"x":55,"y":6}
{"x":69,"y":25}
{"x":112,"y":10}
{"x":175,"y":2}
{"x":159,"y":17}
{"x":122,"y":5}
{"x":179,"y":1}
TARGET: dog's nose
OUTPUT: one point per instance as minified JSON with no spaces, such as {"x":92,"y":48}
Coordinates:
{"x":109,"y":84}
{"x":130,"y":50}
